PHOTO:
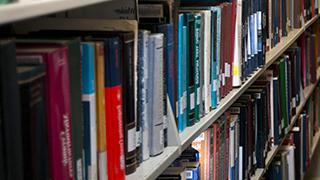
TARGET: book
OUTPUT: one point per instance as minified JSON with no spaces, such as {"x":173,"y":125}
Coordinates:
{"x":114,"y":109}
{"x":99,"y":68}
{"x":143,"y":100}
{"x":11,"y":137}
{"x":167,"y":30}
{"x":155,"y":79}
{"x":58,"y":122}
{"x":89,"y":109}
{"x":34,"y":130}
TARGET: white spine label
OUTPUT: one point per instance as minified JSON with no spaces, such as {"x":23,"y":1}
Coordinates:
{"x":131,"y":139}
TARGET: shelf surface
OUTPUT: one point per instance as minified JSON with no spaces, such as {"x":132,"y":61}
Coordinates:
{"x":33,"y":8}
{"x":307,"y":93}
{"x":154,"y":166}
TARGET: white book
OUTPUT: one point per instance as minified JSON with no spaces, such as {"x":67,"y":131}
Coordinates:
{"x":269,"y":76}
{"x":156,"y":111}
{"x":207,"y":60}
{"x":237,"y":58}
{"x":232,"y":147}
{"x":143,"y":98}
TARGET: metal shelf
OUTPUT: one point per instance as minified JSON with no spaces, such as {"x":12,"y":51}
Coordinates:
{"x":16,"y":11}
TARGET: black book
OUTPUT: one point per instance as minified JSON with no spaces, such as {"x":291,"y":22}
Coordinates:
{"x":10,"y":113}
{"x":34,"y":131}
{"x":155,"y":11}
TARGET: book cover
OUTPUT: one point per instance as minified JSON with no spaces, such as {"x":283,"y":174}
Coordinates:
{"x":89,"y":109}
{"x":58,"y":122}
{"x":11,"y":137}
{"x":113,"y":95}
{"x":100,"y":109}
{"x":34,"y":131}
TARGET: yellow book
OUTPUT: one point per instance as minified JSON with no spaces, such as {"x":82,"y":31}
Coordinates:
{"x":101,"y":116}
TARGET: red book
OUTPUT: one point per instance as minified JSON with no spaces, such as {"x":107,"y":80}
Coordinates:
{"x":58,"y":112}
{"x":226,"y":153}
{"x":215,"y":127}
{"x":114,"y":121}
{"x":222,"y":50}
{"x":303,"y":60}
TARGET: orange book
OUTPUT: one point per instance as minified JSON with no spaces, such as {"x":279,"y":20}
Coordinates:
{"x":199,"y":145}
{"x":101,"y":118}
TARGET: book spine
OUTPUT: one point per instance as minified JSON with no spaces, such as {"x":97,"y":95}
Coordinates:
{"x":156,"y":69}
{"x":236,"y":71}
{"x":167,"y":30}
{"x":100,"y":107}
{"x":207,"y":54}
{"x":61,"y":165}
{"x":197,"y":66}
{"x":214,"y":69}
{"x":89,"y":110}
{"x":74,"y":59}
{"x":180,"y":98}
{"x":142,"y":93}
{"x":128,"y":105}
{"x":113,"y":96}
{"x":190,"y":68}
{"x":11,"y":165}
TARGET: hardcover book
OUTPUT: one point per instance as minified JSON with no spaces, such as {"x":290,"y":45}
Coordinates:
{"x":59,"y":125}
{"x":89,"y":109}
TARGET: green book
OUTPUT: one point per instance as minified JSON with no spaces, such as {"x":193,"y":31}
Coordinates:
{"x":283,"y":94}
{"x":190,"y":24}
{"x":197,"y":89}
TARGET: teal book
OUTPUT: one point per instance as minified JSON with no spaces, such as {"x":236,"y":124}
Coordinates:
{"x":190,"y":68}
{"x":215,"y":38}
{"x":184,"y":78}
{"x":197,"y":89}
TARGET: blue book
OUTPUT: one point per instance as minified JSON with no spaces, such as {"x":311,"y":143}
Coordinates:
{"x":215,"y":56}
{"x":89,"y":110}
{"x":180,"y":106}
{"x":167,"y":30}
{"x":184,"y":77}
{"x":143,"y":40}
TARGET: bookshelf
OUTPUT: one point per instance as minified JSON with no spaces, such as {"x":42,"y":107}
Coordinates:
{"x":271,"y":154}
{"x":154,"y":166}
{"x":33,"y":8}
{"x":190,"y":133}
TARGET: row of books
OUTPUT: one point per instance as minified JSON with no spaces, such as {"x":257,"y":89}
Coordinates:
{"x":294,"y":158}
{"x":239,"y":141}
{"x":284,"y":16}
{"x":77,"y":116}
{"x":220,"y":46}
